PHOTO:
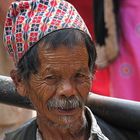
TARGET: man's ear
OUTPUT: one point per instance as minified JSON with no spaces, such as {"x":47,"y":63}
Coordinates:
{"x":19,"y":83}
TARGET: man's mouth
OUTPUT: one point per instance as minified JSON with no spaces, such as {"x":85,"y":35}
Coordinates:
{"x":66,"y":111}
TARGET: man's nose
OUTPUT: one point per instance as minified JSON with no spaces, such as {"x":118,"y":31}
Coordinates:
{"x":66,"y":88}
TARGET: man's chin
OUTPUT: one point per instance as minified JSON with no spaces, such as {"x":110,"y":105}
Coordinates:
{"x":68,"y":121}
{"x":65,"y":119}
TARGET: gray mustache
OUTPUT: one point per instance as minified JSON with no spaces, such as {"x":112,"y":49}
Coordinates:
{"x":64,"y":103}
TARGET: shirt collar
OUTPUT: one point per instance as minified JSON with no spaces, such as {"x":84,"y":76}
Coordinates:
{"x":95,"y":131}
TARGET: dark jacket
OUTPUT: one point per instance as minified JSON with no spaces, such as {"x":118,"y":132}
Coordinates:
{"x":25,"y":132}
{"x":28,"y":132}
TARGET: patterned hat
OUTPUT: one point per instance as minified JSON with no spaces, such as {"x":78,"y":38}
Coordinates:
{"x":28,"y":21}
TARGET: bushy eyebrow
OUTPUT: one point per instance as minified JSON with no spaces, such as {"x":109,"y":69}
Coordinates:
{"x":82,"y":70}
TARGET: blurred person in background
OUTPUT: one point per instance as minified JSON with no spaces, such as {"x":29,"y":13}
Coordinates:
{"x":125,"y":67}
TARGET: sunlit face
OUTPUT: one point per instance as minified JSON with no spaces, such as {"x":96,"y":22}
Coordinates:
{"x":60,"y":89}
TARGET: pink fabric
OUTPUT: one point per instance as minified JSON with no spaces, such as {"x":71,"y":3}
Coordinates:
{"x":125,"y":71}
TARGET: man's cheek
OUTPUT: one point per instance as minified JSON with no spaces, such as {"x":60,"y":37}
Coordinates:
{"x":42,"y":89}
{"x":84,"y":88}
{"x":85,"y":85}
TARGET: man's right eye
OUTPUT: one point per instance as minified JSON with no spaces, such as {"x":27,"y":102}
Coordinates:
{"x":50,"y":77}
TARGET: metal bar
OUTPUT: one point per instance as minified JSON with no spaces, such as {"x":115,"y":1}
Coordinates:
{"x":119,"y":112}
{"x":8,"y":94}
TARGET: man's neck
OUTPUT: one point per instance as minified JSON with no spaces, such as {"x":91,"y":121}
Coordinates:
{"x":51,"y":131}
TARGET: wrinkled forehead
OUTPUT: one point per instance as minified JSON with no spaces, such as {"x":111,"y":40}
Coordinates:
{"x":63,"y":55}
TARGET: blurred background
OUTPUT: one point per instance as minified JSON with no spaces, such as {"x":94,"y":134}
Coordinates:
{"x":115,"y":27}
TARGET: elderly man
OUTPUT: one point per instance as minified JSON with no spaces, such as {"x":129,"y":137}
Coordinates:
{"x":54,"y":57}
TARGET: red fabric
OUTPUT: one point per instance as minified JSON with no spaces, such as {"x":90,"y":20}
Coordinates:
{"x":101,"y":82}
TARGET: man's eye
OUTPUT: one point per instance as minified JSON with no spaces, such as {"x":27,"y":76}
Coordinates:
{"x":51,"y":79}
{"x":79,"y":75}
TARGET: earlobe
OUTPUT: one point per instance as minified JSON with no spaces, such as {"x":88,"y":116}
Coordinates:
{"x":18,"y":81}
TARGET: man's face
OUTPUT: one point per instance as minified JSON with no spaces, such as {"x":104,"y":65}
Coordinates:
{"x":60,"y":88}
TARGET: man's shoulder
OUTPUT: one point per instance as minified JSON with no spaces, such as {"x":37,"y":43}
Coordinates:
{"x":116,"y":133}
{"x":26,"y":131}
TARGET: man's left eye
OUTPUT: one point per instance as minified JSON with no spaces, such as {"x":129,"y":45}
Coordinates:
{"x":51,"y":79}
{"x":79,"y":75}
